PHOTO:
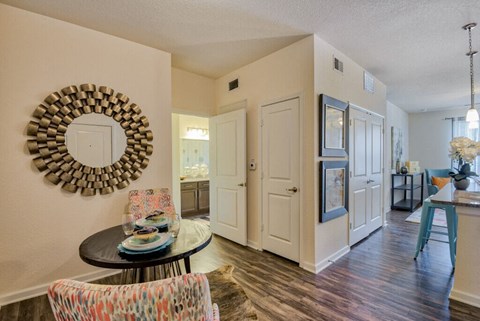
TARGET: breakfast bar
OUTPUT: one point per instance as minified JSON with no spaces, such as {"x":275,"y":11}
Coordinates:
{"x":466,"y":286}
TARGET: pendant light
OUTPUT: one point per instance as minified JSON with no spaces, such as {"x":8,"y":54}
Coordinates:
{"x":472,"y":114}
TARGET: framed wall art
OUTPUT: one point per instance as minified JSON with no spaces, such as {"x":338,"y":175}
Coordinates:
{"x":396,"y":146}
{"x":333,"y":127}
{"x":333,"y":189}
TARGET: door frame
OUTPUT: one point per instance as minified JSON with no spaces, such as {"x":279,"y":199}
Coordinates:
{"x":301,"y":103}
{"x":384,"y":216}
{"x":175,"y":179}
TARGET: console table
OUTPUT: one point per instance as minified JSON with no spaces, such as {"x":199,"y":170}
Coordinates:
{"x":410,"y":183}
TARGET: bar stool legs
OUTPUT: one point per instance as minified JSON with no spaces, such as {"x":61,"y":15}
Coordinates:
{"x":426,"y":223}
{"x":452,"y":224}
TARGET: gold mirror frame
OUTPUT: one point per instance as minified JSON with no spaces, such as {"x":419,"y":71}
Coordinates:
{"x":54,"y":115}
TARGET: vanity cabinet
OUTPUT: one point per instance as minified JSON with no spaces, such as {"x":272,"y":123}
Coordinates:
{"x":195,"y":197}
{"x":203,"y":196}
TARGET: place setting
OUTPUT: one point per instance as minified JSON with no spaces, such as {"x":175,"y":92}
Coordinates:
{"x":156,"y":219}
{"x":144,"y":241}
{"x":153,"y":233}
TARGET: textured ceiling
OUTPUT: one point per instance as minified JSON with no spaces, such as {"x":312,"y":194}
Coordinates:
{"x":416,"y":47}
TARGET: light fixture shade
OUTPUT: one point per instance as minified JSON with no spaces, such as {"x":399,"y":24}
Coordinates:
{"x":473,"y":125}
{"x":472,"y":115}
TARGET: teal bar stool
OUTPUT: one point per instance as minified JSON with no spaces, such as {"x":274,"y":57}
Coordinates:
{"x":426,"y":230}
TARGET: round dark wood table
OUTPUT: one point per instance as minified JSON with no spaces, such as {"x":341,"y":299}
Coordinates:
{"x":100,"y":249}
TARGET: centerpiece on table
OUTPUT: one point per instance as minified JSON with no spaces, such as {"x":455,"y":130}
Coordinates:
{"x":463,"y":150}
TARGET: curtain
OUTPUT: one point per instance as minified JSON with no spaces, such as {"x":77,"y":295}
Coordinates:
{"x":459,"y":129}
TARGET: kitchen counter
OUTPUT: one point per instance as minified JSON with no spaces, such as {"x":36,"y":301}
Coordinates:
{"x":449,"y":195}
{"x":466,"y":286}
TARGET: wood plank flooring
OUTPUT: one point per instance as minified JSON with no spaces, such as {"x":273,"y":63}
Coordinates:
{"x":377,"y":280}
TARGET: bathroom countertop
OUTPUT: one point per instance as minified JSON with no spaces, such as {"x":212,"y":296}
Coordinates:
{"x":198,"y":179}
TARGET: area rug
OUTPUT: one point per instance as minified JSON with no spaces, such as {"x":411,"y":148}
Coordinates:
{"x":439,"y":218}
{"x":233,"y":302}
{"x":204,"y":219}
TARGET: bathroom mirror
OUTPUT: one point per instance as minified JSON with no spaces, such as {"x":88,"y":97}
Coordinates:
{"x":48,"y":135}
{"x":194,"y":158}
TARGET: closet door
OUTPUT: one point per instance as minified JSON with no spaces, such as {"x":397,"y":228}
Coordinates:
{"x":366,"y":173}
{"x":280,"y":132}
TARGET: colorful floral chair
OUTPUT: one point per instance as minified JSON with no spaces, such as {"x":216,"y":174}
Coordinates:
{"x":143,"y":202}
{"x":185,"y":297}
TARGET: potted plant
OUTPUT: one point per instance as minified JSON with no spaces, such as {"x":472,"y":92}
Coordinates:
{"x":463,"y":150}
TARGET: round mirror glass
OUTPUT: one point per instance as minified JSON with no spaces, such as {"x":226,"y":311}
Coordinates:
{"x":95,"y":140}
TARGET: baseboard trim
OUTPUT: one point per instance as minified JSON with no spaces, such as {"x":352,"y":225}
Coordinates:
{"x":38,"y":290}
{"x":253,"y":245}
{"x":308,"y":266}
{"x":331,"y":259}
{"x":464,"y":297}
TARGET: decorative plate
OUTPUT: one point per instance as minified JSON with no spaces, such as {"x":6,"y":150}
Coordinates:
{"x":163,"y":221}
{"x":160,"y":248}
{"x":135,"y":244}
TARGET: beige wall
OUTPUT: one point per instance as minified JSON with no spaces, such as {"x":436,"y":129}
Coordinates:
{"x":284,"y":73}
{"x":42,"y":226}
{"x":302,"y":68}
{"x":192,"y":94}
{"x":398,"y":118}
{"x":331,"y":238}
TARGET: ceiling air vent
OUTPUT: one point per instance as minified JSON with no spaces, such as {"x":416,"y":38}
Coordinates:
{"x":337,"y":64}
{"x":233,"y":84}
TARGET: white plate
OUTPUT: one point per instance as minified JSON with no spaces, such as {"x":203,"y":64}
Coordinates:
{"x":134,"y":244}
{"x":157,"y":223}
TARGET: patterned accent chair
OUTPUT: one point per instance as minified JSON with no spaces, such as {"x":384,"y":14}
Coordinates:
{"x":185,"y":297}
{"x":143,"y":202}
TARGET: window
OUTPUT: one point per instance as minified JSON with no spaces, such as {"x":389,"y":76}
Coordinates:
{"x":459,"y":129}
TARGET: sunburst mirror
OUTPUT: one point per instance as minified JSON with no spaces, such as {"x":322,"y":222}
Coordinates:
{"x":48,"y":139}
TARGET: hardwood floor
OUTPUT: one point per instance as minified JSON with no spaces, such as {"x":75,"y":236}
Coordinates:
{"x":377,"y":280}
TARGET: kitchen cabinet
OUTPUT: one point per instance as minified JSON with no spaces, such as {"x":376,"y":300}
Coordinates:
{"x":195,"y":197}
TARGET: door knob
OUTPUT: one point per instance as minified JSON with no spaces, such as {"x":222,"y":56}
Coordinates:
{"x":370,"y":181}
{"x":242,"y":185}
{"x":293,"y":189}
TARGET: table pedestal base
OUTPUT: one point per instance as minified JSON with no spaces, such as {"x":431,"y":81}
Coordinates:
{"x":140,"y":275}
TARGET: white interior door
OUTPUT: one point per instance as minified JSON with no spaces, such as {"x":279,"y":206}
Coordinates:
{"x":90,"y":144}
{"x":366,"y":173}
{"x":280,"y":178}
{"x":376,"y":173}
{"x":228,"y":191}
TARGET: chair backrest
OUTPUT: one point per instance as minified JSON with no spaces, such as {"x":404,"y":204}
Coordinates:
{"x":429,"y":173}
{"x":143,"y":202}
{"x":185,"y":297}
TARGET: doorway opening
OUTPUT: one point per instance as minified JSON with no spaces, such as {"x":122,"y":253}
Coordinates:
{"x":191,"y":164}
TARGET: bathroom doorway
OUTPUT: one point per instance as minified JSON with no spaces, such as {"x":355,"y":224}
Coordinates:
{"x":190,"y":164}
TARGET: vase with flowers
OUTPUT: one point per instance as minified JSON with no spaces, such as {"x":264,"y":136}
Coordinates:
{"x":463,"y":151}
